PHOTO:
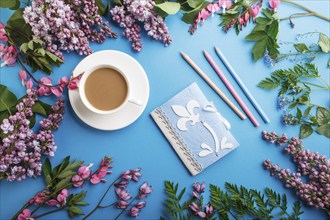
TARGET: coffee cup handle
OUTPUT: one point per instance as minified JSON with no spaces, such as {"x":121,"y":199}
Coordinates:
{"x":136,"y":101}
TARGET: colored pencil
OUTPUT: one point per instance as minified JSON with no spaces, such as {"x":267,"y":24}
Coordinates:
{"x":212,"y":85}
{"x":231,"y":88}
{"x":243,"y":87}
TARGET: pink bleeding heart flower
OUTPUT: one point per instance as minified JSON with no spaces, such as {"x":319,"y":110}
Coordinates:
{"x":194,"y":207}
{"x":37,"y":200}
{"x":61,"y":198}
{"x":44,"y":86}
{"x":56,"y":91}
{"x":203,"y":15}
{"x":246,"y":16}
{"x":52,"y":202}
{"x":241,"y":21}
{"x":225,"y":4}
{"x":122,"y":194}
{"x":77,"y":181}
{"x":63,"y":82}
{"x":8,"y":59}
{"x":29,"y":85}
{"x":25,"y":215}
{"x":145,"y":189}
{"x":213,"y":8}
{"x":122,"y":204}
{"x":95,"y":179}
{"x":201,"y":214}
{"x":3,"y":50}
{"x":274,"y":3}
{"x":141,"y":205}
{"x":134,"y":211}
{"x":22,"y":76}
{"x":3,"y":36}
{"x":84,"y":171}
{"x":255,"y":10}
{"x":209,"y":209}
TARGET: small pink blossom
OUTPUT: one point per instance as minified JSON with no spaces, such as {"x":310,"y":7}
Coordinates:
{"x":61,"y":198}
{"x":52,"y":202}
{"x":3,"y":36}
{"x":255,"y":10}
{"x":95,"y":179}
{"x":9,"y":57}
{"x":209,"y":209}
{"x":194,"y":207}
{"x":145,"y":189}
{"x":3,"y":50}
{"x":22,"y":76}
{"x":63,"y":82}
{"x":246,"y":17}
{"x":134,"y":211}
{"x":274,"y":3}
{"x":122,"y":194}
{"x":84,"y":171}
{"x":241,"y":21}
{"x":225,"y":4}
{"x":29,"y":85}
{"x":77,"y":181}
{"x":122,"y":204}
{"x":25,"y":215}
{"x":56,"y":91}
{"x":141,"y":205}
{"x":38,"y":199}
{"x":201,"y":214}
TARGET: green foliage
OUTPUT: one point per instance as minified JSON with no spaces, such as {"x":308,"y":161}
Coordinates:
{"x":11,"y":4}
{"x":39,"y":58}
{"x":296,"y":86}
{"x":173,"y":204}
{"x":189,"y":8}
{"x":234,"y":202}
{"x":20,"y":35}
{"x":265,"y":35}
{"x":324,"y":43}
{"x":74,"y":201}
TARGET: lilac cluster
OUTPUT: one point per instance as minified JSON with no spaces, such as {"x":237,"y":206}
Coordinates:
{"x":131,"y":13}
{"x":208,"y":210}
{"x":316,"y":168}
{"x":123,"y":195}
{"x":21,"y":149}
{"x":67,"y":25}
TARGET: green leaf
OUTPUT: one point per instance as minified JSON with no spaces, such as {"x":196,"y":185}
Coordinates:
{"x":256,"y":35}
{"x":169,"y":8}
{"x":12,"y":4}
{"x":322,"y":115}
{"x":264,"y":21}
{"x":39,"y":109}
{"x":324,"y":130}
{"x":24,"y":47}
{"x":82,"y":203}
{"x":60,"y":185}
{"x":299,"y":114}
{"x":305,"y":131}
{"x":47,"y":168}
{"x":7,"y":98}
{"x":307,"y":111}
{"x":74,"y":210}
{"x":22,"y":33}
{"x":65,"y":174}
{"x":32,"y":120}
{"x":189,"y":17}
{"x":30,"y":45}
{"x":302,"y":48}
{"x":259,"y":49}
{"x":195,"y":3}
{"x":324,"y":43}
{"x":269,"y":83}
{"x":101,"y":7}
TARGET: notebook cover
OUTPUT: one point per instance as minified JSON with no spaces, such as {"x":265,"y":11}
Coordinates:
{"x":195,"y":129}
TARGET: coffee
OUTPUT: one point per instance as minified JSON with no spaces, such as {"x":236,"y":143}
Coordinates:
{"x":106,"y":89}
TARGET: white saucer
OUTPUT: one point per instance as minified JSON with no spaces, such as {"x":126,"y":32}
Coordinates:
{"x":139,"y":86}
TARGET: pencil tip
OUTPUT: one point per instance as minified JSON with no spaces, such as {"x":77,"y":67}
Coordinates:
{"x":182,"y":53}
{"x":216,"y":48}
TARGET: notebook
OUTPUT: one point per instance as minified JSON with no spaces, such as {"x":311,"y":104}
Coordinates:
{"x":196,"y":130}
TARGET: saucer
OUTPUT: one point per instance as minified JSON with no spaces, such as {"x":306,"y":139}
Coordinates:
{"x":139,"y":90}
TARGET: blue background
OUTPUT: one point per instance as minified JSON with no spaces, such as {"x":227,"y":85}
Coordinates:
{"x":143,"y":145}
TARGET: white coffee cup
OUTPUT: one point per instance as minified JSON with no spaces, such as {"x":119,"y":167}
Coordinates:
{"x":98,"y":111}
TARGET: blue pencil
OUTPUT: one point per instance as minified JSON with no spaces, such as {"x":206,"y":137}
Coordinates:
{"x":243,"y":87}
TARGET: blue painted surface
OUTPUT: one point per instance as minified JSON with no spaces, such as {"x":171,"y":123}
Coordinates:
{"x":143,"y":145}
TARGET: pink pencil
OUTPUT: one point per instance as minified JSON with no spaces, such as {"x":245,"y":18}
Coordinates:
{"x":231,"y":89}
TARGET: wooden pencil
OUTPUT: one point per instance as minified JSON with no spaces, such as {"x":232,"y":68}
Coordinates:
{"x":212,"y":85}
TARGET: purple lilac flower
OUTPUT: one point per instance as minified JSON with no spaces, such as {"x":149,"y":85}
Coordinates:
{"x":67,"y":25}
{"x":133,"y":12}
{"x":315,"y":191}
{"x":21,"y":149}
{"x":268,"y":60}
